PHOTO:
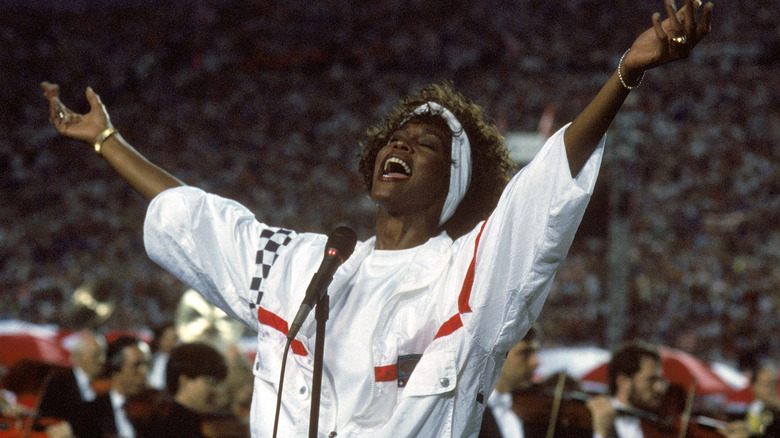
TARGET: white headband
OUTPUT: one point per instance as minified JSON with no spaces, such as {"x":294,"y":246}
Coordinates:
{"x":460,"y":172}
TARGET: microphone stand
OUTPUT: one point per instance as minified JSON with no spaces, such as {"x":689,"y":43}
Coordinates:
{"x":321,"y":315}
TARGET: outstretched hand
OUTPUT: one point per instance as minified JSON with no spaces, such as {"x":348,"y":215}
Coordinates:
{"x":670,"y":39}
{"x":83,"y":127}
{"x":92,"y":128}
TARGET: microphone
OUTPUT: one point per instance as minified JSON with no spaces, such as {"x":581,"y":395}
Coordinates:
{"x":341,"y":243}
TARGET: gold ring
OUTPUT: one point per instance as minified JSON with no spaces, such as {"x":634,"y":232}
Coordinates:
{"x":680,"y":40}
{"x":60,"y":114}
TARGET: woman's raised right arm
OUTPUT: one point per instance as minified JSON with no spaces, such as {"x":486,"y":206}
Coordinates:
{"x":95,"y":129}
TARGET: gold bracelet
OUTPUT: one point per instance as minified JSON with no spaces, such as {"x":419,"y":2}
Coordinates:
{"x":620,"y":74}
{"x":102,"y":137}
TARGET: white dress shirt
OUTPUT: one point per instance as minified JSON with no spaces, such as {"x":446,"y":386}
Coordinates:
{"x":84,"y":384}
{"x":627,"y":426}
{"x":123,"y":426}
{"x":500,"y":405}
{"x":156,"y":378}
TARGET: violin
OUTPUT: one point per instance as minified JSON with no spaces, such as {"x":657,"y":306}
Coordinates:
{"x":224,"y":426}
{"x":151,"y":406}
{"x":146,"y":407}
{"x":562,"y":412}
{"x":25,"y":423}
{"x":19,"y":420}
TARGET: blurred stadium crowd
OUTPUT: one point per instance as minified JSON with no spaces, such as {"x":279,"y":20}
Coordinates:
{"x":265,"y":102}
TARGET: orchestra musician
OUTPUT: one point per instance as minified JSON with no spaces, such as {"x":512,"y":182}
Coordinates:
{"x":637,"y":384}
{"x":499,"y":419}
{"x":127,"y":366}
{"x":519,"y":407}
{"x":67,"y":392}
{"x":193,"y":376}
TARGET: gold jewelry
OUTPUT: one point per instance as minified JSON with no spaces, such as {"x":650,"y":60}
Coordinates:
{"x":60,"y":114}
{"x":102,"y":137}
{"x":620,"y":74}
{"x":680,"y":39}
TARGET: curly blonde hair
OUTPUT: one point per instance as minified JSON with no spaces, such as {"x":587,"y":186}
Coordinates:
{"x":490,"y":161}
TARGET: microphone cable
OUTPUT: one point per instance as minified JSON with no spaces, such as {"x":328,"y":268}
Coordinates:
{"x":281,"y":386}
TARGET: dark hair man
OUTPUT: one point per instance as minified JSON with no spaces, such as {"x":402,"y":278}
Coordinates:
{"x":127,"y":365}
{"x":193,"y":377}
{"x":636,"y":382}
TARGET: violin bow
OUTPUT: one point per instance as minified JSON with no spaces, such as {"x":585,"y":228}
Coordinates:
{"x":557,"y":397}
{"x":685,"y":418}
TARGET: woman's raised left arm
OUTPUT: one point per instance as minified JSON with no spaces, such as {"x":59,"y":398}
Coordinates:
{"x":667,"y":41}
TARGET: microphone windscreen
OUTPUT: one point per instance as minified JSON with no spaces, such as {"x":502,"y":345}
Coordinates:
{"x":342,"y":240}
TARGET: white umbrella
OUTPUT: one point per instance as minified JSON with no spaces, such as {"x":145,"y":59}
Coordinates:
{"x":575,"y":361}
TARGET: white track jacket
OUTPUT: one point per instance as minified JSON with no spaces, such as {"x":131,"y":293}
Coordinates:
{"x":429,"y":345}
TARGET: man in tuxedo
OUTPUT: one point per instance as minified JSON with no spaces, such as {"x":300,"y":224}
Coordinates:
{"x":68,"y":392}
{"x":499,"y":421}
{"x":636,"y":382}
{"x":127,"y":365}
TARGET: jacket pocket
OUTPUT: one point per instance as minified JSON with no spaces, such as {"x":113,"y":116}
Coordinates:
{"x":436,"y":373}
{"x":268,"y":360}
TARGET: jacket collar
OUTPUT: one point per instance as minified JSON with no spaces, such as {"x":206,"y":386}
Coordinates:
{"x":425,"y":267}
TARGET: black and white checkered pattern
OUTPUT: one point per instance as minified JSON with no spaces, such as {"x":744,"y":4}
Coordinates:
{"x":271,"y":240}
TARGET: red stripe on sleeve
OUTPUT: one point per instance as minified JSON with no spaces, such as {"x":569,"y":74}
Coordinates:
{"x":275,"y":321}
{"x":386,"y":373}
{"x":450,"y":326}
{"x":298,"y":348}
{"x":468,"y":282}
{"x":272,"y":320}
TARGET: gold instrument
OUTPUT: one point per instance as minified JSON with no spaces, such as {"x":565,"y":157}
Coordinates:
{"x":197,"y":320}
